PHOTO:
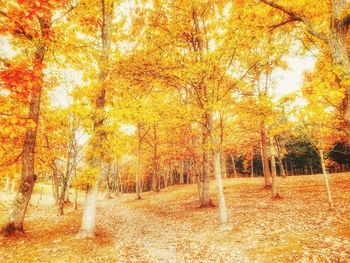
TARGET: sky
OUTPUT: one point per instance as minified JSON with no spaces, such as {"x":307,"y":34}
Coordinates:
{"x":291,"y":80}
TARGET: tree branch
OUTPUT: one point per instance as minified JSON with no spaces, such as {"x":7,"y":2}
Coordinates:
{"x":284,"y":22}
{"x":297,"y":17}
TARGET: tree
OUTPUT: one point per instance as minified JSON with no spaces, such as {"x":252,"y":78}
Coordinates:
{"x":319,"y":123}
{"x":30,"y":23}
{"x":87,"y":228}
{"x":334,"y":36}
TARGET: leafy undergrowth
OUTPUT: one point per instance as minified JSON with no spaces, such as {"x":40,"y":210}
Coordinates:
{"x":170,"y":227}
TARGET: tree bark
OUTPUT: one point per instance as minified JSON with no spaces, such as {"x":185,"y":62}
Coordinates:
{"x":286,"y":166}
{"x":13,"y":186}
{"x":88,"y":224}
{"x":171,"y":174}
{"x":139,"y":168}
{"x":280,"y":159}
{"x":55,"y":181}
{"x":165,"y":176}
{"x":7,"y":184}
{"x":155,"y":175}
{"x":182,"y":181}
{"x":325,"y":177}
{"x":76,"y":199}
{"x":224,"y":218}
{"x":274,"y":186}
{"x":264,"y":145}
{"x":216,"y":146}
{"x":234,"y":166}
{"x":15,"y":220}
{"x":206,"y":165}
{"x":252,"y":164}
{"x":223,"y":164}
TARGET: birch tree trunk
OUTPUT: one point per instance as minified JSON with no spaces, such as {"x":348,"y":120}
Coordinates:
{"x":224,"y":218}
{"x":264,"y":145}
{"x":206,"y":166}
{"x":88,"y":223}
{"x":55,"y":190}
{"x":325,"y":177}
{"x":13,"y":186}
{"x":7,"y":184}
{"x":155,"y":175}
{"x":139,"y":168}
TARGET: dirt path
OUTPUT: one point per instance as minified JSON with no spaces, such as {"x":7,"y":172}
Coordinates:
{"x":141,"y":237}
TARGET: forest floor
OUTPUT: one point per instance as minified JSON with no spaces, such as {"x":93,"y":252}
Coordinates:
{"x":170,"y":227}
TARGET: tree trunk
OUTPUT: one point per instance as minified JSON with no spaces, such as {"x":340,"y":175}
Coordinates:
{"x":13,"y":186}
{"x":206,"y":165}
{"x":60,"y":208}
{"x":155,"y":175}
{"x":252,"y":165}
{"x":286,"y":166}
{"x":189,"y":171}
{"x":6,"y":188}
{"x":223,"y":165}
{"x":339,"y":50}
{"x":41,"y":195}
{"x":117,"y":179}
{"x":280,"y":159}
{"x":139,"y":168}
{"x":336,"y":40}
{"x":171,"y":174}
{"x":182,"y":181}
{"x":15,"y":220}
{"x":66,"y":194}
{"x":199,"y":187}
{"x":264,"y":145}
{"x":220,"y":190}
{"x":234,"y":166}
{"x":55,"y":181}
{"x":310,"y":168}
{"x":325,"y":177}
{"x":76,"y":199}
{"x":165,"y":176}
{"x":274,"y":186}
{"x":87,"y":228}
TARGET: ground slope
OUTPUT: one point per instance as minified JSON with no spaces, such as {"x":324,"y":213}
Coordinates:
{"x":169,"y":227}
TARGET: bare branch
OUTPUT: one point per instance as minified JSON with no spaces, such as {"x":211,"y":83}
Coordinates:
{"x":298,"y":17}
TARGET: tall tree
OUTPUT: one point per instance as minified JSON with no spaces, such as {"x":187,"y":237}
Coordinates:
{"x":87,"y":228}
{"x":31,"y":23}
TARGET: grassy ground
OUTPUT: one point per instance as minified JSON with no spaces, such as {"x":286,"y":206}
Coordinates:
{"x":167,"y":225}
